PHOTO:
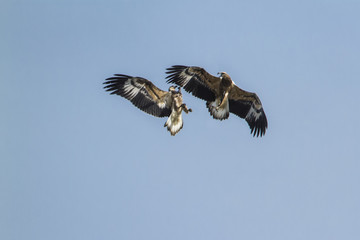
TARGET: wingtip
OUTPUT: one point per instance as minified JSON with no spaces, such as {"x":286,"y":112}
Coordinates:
{"x":258,"y":130}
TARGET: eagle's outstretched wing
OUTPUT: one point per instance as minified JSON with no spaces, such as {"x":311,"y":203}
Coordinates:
{"x":142,"y":93}
{"x":248,"y":106}
{"x":194,"y":80}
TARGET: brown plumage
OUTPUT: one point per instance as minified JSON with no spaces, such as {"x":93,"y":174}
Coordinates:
{"x":221,"y":95}
{"x":150,"y":99}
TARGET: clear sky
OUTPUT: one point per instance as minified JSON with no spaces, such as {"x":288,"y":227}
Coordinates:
{"x":78,"y":163}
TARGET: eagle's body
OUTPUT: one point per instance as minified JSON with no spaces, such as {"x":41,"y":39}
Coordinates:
{"x":221,"y":94}
{"x":175,"y":122}
{"x":219,"y":108}
{"x":150,"y":99}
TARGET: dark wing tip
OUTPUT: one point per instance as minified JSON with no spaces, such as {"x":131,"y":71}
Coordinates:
{"x":174,"y":74}
{"x":114,"y":84}
{"x":118,"y":77}
{"x":175,"y":68}
{"x":258,"y":126}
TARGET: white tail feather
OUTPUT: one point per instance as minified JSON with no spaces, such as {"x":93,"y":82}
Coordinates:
{"x":220,"y":113}
{"x":174,"y":123}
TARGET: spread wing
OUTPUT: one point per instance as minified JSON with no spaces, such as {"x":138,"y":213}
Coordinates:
{"x":142,"y":93}
{"x":194,"y":80}
{"x":248,"y":106}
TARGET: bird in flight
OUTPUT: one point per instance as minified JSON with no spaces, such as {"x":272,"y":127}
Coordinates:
{"x":150,"y":99}
{"x":221,"y":95}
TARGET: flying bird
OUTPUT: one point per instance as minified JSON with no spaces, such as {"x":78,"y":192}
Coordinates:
{"x":150,"y":99}
{"x":221,"y":95}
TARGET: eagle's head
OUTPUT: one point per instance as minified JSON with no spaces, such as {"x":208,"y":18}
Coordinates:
{"x":223,"y":74}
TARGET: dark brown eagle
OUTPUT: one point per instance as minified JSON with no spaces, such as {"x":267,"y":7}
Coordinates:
{"x":221,"y":95}
{"x":150,"y":99}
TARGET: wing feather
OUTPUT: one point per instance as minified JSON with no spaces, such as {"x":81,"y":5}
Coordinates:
{"x":141,"y":92}
{"x":194,"y":80}
{"x":248,"y":106}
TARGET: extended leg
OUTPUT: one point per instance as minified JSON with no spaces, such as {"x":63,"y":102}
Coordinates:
{"x":221,"y":105}
{"x":184,"y":107}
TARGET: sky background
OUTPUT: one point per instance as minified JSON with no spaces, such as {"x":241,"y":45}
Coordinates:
{"x":78,"y":163}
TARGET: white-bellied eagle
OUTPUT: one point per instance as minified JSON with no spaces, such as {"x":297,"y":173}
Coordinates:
{"x":150,"y":99}
{"x":221,"y":95}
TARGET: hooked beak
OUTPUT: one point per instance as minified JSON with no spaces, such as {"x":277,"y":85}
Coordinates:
{"x":221,"y":73}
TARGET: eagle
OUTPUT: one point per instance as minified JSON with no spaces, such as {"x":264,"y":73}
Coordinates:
{"x":221,"y":95}
{"x":150,"y":99}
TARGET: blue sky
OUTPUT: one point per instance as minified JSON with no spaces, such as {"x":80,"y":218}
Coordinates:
{"x":77,"y":163}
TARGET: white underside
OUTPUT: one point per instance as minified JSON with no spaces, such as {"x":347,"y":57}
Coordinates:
{"x":221,"y":112}
{"x":130,"y":89}
{"x":253,"y":114}
{"x":185,"y":78}
{"x":174,"y":123}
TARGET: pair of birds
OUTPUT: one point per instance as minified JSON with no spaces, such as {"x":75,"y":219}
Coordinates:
{"x":221,"y":94}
